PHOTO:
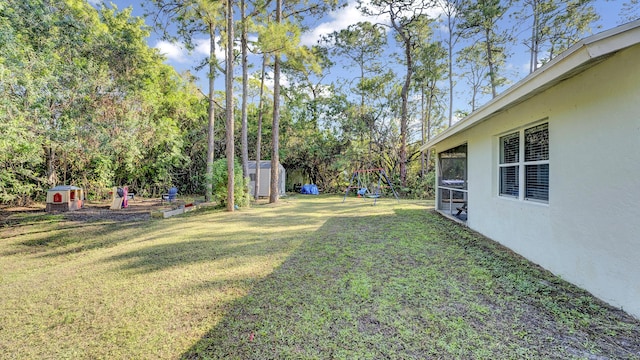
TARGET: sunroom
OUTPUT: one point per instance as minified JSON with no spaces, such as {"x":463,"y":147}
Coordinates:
{"x":451,"y":196}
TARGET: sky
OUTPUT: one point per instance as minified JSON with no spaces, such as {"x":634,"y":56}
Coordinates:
{"x":177,"y":56}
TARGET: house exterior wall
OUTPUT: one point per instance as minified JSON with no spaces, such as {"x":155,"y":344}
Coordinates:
{"x":589,"y":232}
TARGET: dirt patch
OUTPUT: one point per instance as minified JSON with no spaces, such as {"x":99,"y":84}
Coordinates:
{"x":138,"y":209}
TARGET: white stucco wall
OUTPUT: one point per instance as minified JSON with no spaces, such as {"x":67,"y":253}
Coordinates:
{"x":589,"y":232}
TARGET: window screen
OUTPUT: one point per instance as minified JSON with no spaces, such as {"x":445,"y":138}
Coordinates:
{"x":537,"y":182}
{"x":509,"y":183}
{"x":509,"y":170}
{"x":509,"y":148}
{"x":536,"y":143}
{"x":536,"y":157}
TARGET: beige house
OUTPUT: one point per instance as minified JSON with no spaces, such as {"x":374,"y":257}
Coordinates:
{"x":551,"y":167}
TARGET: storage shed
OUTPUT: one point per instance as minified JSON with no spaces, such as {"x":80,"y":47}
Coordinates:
{"x":64,"y":198}
{"x":265,"y":178}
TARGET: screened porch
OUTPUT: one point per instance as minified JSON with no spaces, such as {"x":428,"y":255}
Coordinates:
{"x":452,"y":199}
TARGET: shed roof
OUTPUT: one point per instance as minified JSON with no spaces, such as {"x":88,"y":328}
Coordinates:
{"x":578,"y":58}
{"x":264,"y":164}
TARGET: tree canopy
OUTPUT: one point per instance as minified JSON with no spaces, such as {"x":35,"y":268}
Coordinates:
{"x":84,"y":100}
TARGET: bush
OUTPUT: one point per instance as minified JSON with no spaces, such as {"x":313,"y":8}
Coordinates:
{"x":220,"y":179}
{"x":421,"y":187}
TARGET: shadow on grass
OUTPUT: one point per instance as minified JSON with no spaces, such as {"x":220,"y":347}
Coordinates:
{"x":160,"y":257}
{"x":60,"y":239}
{"x":413,"y":285}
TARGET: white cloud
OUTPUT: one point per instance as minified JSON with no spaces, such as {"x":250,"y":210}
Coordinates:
{"x":94,"y":2}
{"x":268,"y":81}
{"x":178,"y":53}
{"x":203,"y":46}
{"x":173,"y":52}
{"x":338,"y":20}
{"x":349,"y":15}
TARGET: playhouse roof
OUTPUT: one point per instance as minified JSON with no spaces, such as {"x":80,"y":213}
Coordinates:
{"x":64,"y":188}
{"x":578,"y":58}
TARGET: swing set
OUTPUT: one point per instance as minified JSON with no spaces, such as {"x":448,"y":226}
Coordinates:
{"x":369,"y":183}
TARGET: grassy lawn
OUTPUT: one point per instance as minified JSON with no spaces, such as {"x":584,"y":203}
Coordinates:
{"x":309,"y":278}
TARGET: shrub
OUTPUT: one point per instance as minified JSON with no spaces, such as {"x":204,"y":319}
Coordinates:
{"x":220,"y":179}
{"x":421,"y":187}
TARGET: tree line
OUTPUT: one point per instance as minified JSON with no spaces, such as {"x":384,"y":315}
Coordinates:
{"x":85,"y":101}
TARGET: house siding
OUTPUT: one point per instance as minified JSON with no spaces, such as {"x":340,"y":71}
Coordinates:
{"x":589,"y":232}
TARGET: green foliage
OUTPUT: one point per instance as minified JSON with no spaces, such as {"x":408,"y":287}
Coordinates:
{"x":220,"y":181}
{"x":421,"y":187}
{"x":84,"y":100}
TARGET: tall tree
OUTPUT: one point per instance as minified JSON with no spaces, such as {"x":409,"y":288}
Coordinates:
{"x":193,"y":17}
{"x":473,"y":66}
{"x":274,"y":192}
{"x":406,"y":18}
{"x":363,"y":44}
{"x":282,"y":38}
{"x":230,"y":151}
{"x":450,"y":10}
{"x":256,"y":190}
{"x":430,"y":70}
{"x":244,"y":55}
{"x":554,"y":25}
{"x":481,"y":19}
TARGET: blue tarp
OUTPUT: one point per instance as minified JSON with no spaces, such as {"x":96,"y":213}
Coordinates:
{"x":309,"y":189}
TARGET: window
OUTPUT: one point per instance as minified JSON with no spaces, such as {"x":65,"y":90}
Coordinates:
{"x":509,"y":168}
{"x":530,"y":170}
{"x":536,"y":157}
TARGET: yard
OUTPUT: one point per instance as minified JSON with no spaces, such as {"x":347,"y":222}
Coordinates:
{"x":307,"y":278}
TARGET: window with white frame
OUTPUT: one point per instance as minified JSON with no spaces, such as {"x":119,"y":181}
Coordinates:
{"x":525,"y":177}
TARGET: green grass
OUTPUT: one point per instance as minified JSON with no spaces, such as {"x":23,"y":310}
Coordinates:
{"x":309,"y":278}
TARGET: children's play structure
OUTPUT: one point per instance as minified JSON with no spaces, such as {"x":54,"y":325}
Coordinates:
{"x":64,"y":198}
{"x":119,"y":198}
{"x":370,"y":183}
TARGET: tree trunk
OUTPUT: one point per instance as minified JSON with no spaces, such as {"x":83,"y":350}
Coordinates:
{"x":275,"y":157}
{"x":211,"y":126}
{"x":52,"y":176}
{"x":422,"y":130}
{"x":230,"y":151}
{"x":245,"y":86}
{"x":533,"y":65}
{"x":450,"y":75}
{"x":492,"y":72}
{"x":259,"y":135}
{"x":404,"y":114}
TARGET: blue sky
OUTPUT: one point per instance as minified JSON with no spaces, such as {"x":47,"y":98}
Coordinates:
{"x":517,"y":66}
